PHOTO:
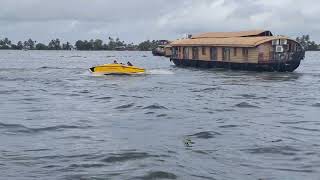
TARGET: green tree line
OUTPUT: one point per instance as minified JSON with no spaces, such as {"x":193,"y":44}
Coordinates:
{"x":82,"y":45}
{"x":111,"y":44}
{"x":307,"y":43}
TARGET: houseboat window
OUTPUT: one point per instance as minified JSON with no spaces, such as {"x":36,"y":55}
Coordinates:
{"x":204,"y":51}
{"x":289,"y":47}
{"x":292,"y":47}
{"x":245,"y":51}
{"x":195,"y":53}
{"x":185,"y":53}
{"x":234,"y":51}
{"x":226,"y":54}
{"x":213,"y":53}
{"x":175,"y":52}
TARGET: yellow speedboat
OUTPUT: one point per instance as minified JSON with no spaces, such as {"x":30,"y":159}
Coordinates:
{"x":117,"y":69}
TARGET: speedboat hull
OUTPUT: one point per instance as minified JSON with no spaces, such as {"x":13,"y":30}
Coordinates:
{"x":118,"y":69}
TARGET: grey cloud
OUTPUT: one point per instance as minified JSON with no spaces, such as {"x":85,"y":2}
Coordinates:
{"x":137,"y":20}
{"x":84,"y":10}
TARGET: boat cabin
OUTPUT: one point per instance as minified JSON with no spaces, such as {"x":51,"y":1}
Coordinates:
{"x":168,"y":51}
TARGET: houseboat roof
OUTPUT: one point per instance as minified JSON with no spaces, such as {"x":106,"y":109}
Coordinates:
{"x":227,"y":42}
{"x":252,"y":33}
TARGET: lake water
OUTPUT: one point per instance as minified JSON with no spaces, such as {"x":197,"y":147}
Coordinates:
{"x":57,"y":121}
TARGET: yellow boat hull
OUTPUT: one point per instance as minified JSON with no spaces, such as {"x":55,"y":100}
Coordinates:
{"x":117,"y":69}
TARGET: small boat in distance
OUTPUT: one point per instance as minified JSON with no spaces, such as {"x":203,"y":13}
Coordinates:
{"x":160,"y":49}
{"x":116,"y":69}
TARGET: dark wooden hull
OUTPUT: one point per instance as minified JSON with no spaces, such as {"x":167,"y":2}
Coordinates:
{"x":288,"y":66}
{"x":156,"y":52}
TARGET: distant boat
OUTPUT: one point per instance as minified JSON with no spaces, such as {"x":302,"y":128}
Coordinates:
{"x":120,"y":48}
{"x":247,"y":50}
{"x":160,"y":49}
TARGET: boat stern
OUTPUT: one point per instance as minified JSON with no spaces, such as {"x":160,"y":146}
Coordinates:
{"x":92,"y":69}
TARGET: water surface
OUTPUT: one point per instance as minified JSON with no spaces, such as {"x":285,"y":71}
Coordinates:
{"x":57,"y":121}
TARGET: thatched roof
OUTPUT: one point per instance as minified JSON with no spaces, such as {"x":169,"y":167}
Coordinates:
{"x":227,"y":42}
{"x":233,"y":34}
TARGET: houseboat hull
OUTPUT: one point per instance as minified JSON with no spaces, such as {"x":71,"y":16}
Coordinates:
{"x":158,"y":52}
{"x":273,"y":66}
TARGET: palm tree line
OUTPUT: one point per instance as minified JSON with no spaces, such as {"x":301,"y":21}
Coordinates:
{"x":82,"y":45}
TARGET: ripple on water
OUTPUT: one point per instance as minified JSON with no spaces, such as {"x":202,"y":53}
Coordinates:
{"x":316,"y":105}
{"x":155,"y":106}
{"x":47,"y":67}
{"x":296,"y":122}
{"x":8,"y":92}
{"x":126,"y":106}
{"x":282,"y":150}
{"x":228,"y":126}
{"x":84,"y":92}
{"x":306,"y":129}
{"x":224,"y":110}
{"x":31,"y":99}
{"x":93,"y":165}
{"x":77,"y":137}
{"x":246,"y":105}
{"x":204,"y":152}
{"x":205,"y":135}
{"x":36,"y":150}
{"x":18,"y":128}
{"x":158,"y":175}
{"x":211,"y":89}
{"x":104,"y":98}
{"x":251,"y":96}
{"x":162,"y":115}
{"x":127,"y":156}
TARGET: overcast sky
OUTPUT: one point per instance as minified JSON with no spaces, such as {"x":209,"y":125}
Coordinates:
{"x":138,"y":20}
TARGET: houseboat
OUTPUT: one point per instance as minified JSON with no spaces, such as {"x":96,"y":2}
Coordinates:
{"x":160,"y":49}
{"x":257,"y":50}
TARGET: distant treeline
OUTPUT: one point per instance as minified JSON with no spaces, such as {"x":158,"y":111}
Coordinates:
{"x":307,"y":44}
{"x":112,"y":44}
{"x":91,"y":45}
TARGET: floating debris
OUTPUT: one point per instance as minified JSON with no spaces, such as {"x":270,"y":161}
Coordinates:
{"x":188,"y":142}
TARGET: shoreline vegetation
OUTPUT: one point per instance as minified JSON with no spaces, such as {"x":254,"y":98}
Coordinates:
{"x":81,"y":45}
{"x":111,"y":45}
{"x":307,"y":43}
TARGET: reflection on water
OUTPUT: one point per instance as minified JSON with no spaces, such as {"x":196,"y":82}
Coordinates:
{"x":281,"y":76}
{"x":58,"y":121}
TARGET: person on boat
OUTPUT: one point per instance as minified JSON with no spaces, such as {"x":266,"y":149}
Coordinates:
{"x":129,"y":63}
{"x":115,"y":62}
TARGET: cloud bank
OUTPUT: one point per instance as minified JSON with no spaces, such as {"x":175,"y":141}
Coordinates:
{"x":138,"y":20}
